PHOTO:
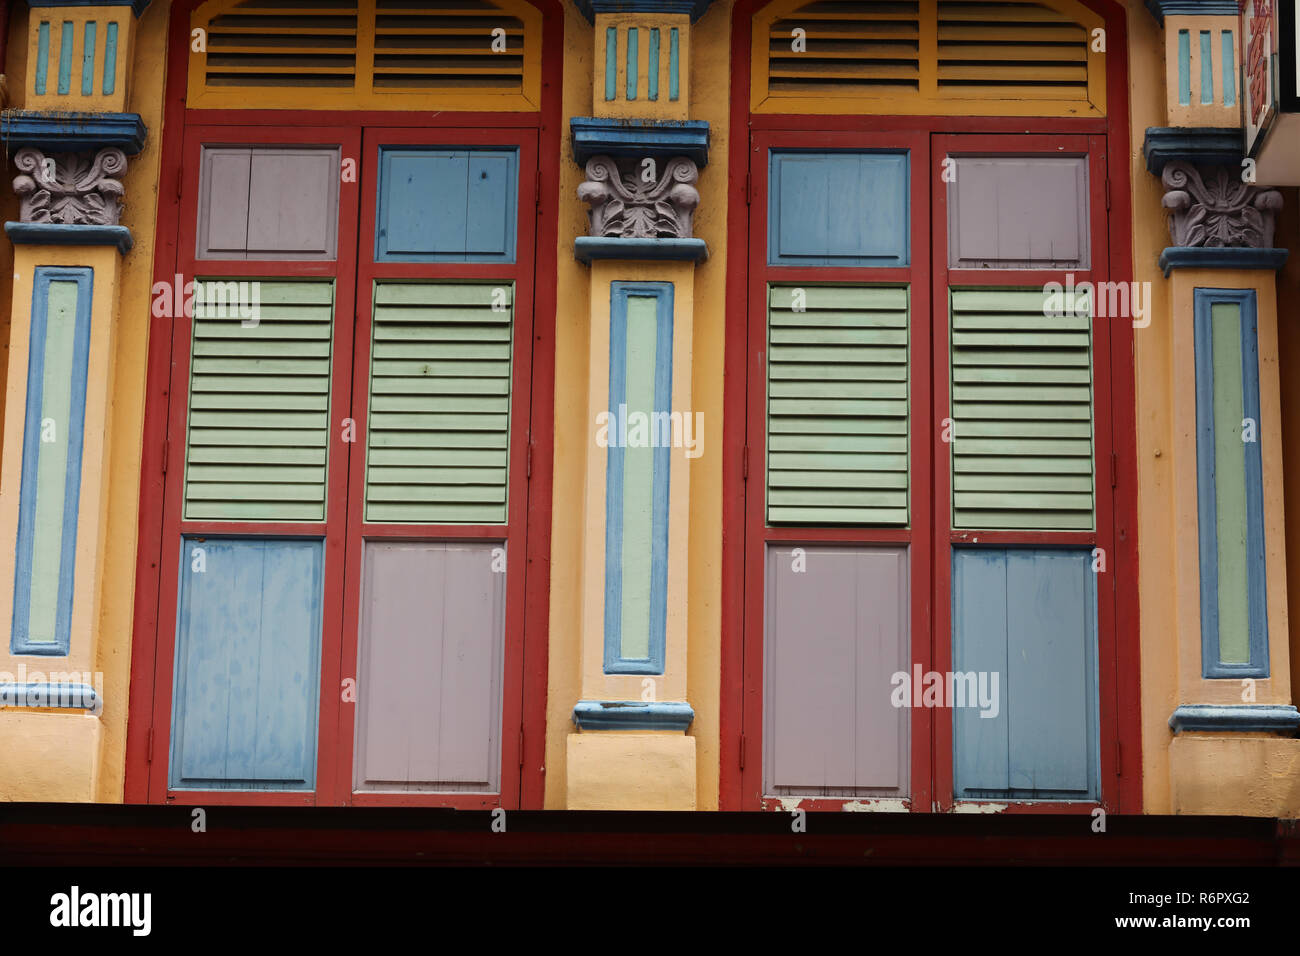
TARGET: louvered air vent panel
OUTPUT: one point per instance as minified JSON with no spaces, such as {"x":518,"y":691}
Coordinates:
{"x":440,"y":44}
{"x":284,"y":43}
{"x":1010,"y":49}
{"x":871,"y":48}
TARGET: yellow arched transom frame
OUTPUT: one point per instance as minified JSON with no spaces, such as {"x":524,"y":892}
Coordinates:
{"x":365,"y":54}
{"x":929,"y":57}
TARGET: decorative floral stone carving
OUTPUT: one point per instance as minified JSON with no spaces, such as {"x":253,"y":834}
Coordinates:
{"x":76,"y":189}
{"x":1211,"y":206}
{"x":631,"y":199}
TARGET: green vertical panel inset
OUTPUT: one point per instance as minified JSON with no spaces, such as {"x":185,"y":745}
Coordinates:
{"x":42,"y":56}
{"x":259,"y":401}
{"x":1184,"y":67}
{"x":632,"y":62}
{"x":837,"y":392}
{"x":611,"y":63}
{"x":65,"y":57}
{"x":673,"y":68}
{"x":110,"y":59}
{"x":652,"y":73}
{"x":1207,"y":70}
{"x":1021,"y":380}
{"x":438,"y":441}
{"x":88,"y":59}
{"x":52,"y":465}
{"x":1229,"y":68}
{"x":638,"y":477}
{"x":1230,"y":484}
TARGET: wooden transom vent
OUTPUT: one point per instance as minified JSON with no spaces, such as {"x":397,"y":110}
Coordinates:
{"x":1008,"y":57}
{"x":365,"y":54}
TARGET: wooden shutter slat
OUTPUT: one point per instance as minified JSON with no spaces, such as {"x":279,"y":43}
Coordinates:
{"x":1022,"y":457}
{"x":837,"y":427}
{"x":439,"y":404}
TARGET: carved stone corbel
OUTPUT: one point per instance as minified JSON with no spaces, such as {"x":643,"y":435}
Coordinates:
{"x":629,"y":201}
{"x":1211,"y":206}
{"x":75,"y":189}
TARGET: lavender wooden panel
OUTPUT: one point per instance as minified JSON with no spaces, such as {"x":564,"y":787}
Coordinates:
{"x":1018,"y":212}
{"x":223,"y":203}
{"x":285,"y":201}
{"x":836,"y":632}
{"x":429,"y":681}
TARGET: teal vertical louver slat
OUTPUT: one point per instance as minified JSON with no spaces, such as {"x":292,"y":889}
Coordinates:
{"x":258,"y":432}
{"x":42,"y":56}
{"x":1184,"y":68}
{"x":439,"y":426}
{"x":611,"y":63}
{"x":632,"y":62}
{"x":1229,"y":68}
{"x":110,"y":59}
{"x":652,"y":71}
{"x":53,"y":433}
{"x":837,"y":396}
{"x":1207,"y":70}
{"x":66,"y":35}
{"x":1021,"y":390}
{"x":640,"y":433}
{"x":88,"y":59}
{"x":674,"y":69}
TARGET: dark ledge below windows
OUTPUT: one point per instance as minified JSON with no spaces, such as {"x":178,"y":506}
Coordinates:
{"x":1235,"y":718}
{"x":632,"y":715}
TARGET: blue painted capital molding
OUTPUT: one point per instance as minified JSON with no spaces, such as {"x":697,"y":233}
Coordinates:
{"x":1235,"y":718}
{"x":1199,"y":145}
{"x":57,"y":234}
{"x":632,"y":715}
{"x":1220,"y":257}
{"x":587,"y":248}
{"x":589,"y":8}
{"x":1192,"y":8}
{"x":137,"y":6}
{"x":662,"y":139}
{"x":59,"y":696}
{"x":60,"y":132}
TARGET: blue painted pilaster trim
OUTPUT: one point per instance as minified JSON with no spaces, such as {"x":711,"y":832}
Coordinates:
{"x":1200,"y":145}
{"x":1235,"y":718}
{"x":589,"y":8}
{"x":1194,"y":8}
{"x":587,"y":248}
{"x":57,"y":234}
{"x":661,"y":139}
{"x":137,"y":6}
{"x":632,"y":715}
{"x":58,"y":132}
{"x":1220,"y":257}
{"x":60,"y":696}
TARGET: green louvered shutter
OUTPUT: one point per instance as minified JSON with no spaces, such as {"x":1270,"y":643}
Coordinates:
{"x":837,"y":405}
{"x":259,"y":401}
{"x":439,"y":403}
{"x":1022,"y":411}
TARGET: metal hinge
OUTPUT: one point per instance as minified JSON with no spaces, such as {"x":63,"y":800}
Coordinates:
{"x":742,"y":751}
{"x":150,"y":745}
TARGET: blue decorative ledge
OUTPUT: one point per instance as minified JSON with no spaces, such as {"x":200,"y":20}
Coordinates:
{"x":1220,"y":257}
{"x":662,"y":139}
{"x":632,"y":715}
{"x":59,"y":696}
{"x":1201,"y":146}
{"x":1192,"y":8}
{"x":57,"y":234}
{"x":1235,"y":718}
{"x":56,"y":132}
{"x":137,"y":6}
{"x":589,"y":8}
{"x":587,"y":248}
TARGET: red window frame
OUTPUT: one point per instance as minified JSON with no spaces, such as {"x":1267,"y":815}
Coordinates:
{"x":153,"y":642}
{"x":742,"y":608}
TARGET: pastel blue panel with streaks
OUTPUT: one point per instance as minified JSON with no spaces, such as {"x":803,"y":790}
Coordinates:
{"x":611,"y":63}
{"x":110,"y":59}
{"x":838,"y":209}
{"x":447,"y":205}
{"x":1229,"y":62}
{"x":1029,"y":616}
{"x":88,"y":59}
{"x":247,"y":677}
{"x":65,"y":56}
{"x":1207,"y":70}
{"x":42,"y":56}
{"x":1184,"y":68}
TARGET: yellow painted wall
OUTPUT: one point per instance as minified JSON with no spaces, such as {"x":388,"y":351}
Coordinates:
{"x":112,"y":654}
